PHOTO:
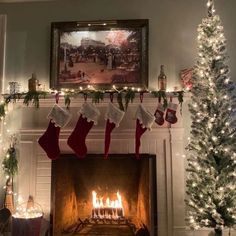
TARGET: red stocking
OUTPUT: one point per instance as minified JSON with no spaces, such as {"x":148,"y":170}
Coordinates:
{"x":139,"y":132}
{"x":77,"y":138}
{"x":88,"y":117}
{"x":49,"y":141}
{"x":171,"y":113}
{"x":159,"y":114}
{"x":109,"y":127}
{"x":144,"y":121}
{"x":114,"y":116}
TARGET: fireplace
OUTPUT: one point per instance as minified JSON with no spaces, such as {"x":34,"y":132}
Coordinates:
{"x":165,"y":145}
{"x":93,"y":196}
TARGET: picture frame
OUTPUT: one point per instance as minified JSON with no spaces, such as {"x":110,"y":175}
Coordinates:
{"x":99,"y":53}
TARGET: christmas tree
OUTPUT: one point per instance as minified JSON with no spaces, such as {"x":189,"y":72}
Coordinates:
{"x":211,"y":171}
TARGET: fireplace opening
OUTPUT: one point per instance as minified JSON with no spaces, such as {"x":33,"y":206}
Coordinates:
{"x":93,"y":196}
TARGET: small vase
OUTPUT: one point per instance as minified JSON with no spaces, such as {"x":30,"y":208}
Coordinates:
{"x":218,"y":232}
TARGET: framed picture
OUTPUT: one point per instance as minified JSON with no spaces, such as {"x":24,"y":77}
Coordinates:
{"x":99,"y":53}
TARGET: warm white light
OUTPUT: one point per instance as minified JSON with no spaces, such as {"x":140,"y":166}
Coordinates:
{"x":108,"y":209}
{"x":192,"y":221}
{"x":227,"y":80}
{"x":214,"y":138}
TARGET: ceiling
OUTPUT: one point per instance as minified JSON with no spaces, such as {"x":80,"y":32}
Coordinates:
{"x":14,"y":1}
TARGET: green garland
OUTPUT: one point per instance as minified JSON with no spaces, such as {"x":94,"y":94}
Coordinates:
{"x":162,"y":95}
{"x":129,"y":97}
{"x":97,"y":96}
{"x":10,"y":163}
{"x":34,"y":96}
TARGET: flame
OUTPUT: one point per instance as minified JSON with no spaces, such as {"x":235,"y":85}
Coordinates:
{"x":115,"y":206}
{"x":98,"y":202}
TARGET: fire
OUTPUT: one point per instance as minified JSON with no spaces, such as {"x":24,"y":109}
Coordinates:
{"x":108,"y":209}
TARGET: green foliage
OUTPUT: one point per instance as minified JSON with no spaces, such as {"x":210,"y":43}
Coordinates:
{"x":67,"y":100}
{"x":180,"y":95}
{"x":120,"y":101}
{"x":34,"y":96}
{"x":2,"y":110}
{"x":97,"y":96}
{"x":10,"y":163}
{"x":211,"y":171}
{"x":161,"y":95}
{"x":129,"y":97}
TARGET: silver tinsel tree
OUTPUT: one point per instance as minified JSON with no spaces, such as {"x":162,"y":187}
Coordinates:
{"x":211,"y":171}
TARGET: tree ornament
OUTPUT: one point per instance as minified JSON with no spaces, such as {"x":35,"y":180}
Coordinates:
{"x":88,"y":116}
{"x":49,"y":141}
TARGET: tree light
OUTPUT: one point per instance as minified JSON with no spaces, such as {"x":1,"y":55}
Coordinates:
{"x":214,"y":138}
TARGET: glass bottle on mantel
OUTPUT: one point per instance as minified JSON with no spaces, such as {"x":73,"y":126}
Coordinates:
{"x":33,"y":83}
{"x":162,"y":80}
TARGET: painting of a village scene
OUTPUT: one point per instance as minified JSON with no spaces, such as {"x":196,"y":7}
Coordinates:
{"x":102,"y":57}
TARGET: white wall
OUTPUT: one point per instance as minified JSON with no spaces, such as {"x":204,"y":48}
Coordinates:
{"x":172,"y":33}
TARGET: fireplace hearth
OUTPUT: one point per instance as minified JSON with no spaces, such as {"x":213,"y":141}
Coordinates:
{"x":93,"y":196}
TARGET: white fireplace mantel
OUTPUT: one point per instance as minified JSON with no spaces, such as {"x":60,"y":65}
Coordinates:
{"x":166,"y":142}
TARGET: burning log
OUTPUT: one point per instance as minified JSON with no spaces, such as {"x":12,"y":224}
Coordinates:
{"x":108,"y":209}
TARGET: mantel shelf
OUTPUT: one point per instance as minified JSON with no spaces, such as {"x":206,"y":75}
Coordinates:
{"x":77,"y":101}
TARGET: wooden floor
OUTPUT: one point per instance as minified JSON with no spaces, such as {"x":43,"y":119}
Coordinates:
{"x":105,"y":230}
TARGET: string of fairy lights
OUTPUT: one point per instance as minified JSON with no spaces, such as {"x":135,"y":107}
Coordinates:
{"x":5,"y":113}
{"x":202,"y":204}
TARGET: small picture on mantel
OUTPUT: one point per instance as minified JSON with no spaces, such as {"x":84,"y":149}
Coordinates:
{"x":99,"y":53}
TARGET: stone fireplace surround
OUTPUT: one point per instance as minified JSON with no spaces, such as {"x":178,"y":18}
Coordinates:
{"x":165,"y":142}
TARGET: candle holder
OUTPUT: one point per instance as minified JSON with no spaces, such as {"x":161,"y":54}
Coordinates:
{"x":14,"y":87}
